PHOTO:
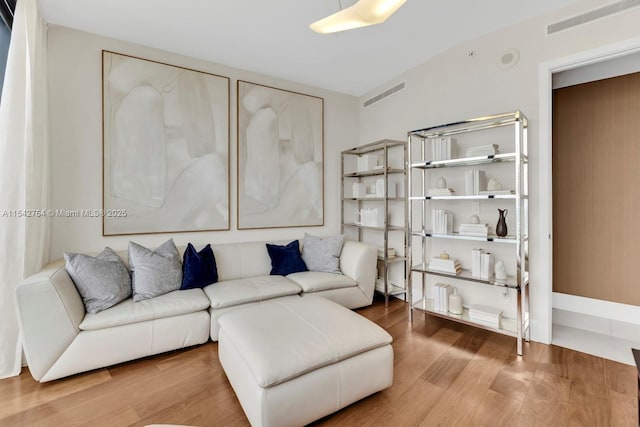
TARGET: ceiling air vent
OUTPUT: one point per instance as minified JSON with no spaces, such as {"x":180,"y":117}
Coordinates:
{"x":386,"y":93}
{"x":592,"y":15}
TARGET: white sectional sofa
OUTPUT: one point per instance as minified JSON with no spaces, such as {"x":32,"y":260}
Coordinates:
{"x":61,"y":339}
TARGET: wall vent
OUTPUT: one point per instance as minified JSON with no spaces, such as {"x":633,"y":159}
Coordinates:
{"x":601,"y":12}
{"x":386,"y":93}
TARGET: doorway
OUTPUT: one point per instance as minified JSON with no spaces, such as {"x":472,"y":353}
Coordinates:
{"x":564,"y":305}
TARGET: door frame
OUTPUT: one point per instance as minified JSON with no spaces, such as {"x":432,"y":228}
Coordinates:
{"x":545,"y":179}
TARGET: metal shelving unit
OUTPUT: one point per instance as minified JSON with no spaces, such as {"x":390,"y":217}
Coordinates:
{"x":422,"y":203}
{"x":385,"y":171}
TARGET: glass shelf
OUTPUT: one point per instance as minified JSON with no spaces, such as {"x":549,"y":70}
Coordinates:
{"x":394,"y":290}
{"x":374,"y":146}
{"x":457,"y":236}
{"x":479,"y":123}
{"x":510,"y":282}
{"x":467,"y":161}
{"x":475,"y":197}
{"x":366,"y":227}
{"x":375,"y":199}
{"x":507,"y":326}
{"x":375,"y":172}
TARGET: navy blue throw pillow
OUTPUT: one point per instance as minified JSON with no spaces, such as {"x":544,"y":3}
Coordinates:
{"x":198,"y":268}
{"x":286,"y":259}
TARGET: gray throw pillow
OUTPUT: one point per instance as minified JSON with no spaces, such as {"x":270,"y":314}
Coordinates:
{"x":156,"y":272}
{"x":322,"y":254}
{"x":102,"y":281}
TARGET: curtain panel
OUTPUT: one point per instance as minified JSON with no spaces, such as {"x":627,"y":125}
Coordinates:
{"x":24,"y":171}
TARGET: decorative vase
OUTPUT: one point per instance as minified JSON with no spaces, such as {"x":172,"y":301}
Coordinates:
{"x":455,"y":303}
{"x":501,"y":227}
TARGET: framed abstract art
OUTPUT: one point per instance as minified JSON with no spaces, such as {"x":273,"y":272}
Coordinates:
{"x":280,"y":158}
{"x":165,"y":147}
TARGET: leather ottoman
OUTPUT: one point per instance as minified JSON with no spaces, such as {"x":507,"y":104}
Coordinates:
{"x":294,"y":360}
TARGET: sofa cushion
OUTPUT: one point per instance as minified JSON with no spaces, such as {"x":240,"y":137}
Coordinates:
{"x":171,"y":304}
{"x":286,"y":259}
{"x":288,"y":337}
{"x":314,"y":281}
{"x":251,"y":289}
{"x":198,"y":268}
{"x":322,"y":253}
{"x":102,"y":281}
{"x":156,"y":272}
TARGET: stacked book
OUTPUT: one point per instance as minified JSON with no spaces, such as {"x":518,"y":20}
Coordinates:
{"x":483,"y":150}
{"x":481,"y":264}
{"x":474,"y":182}
{"x":440,"y":295}
{"x":451,"y":266}
{"x":391,"y":252}
{"x":485,"y":315}
{"x":441,"y":191}
{"x":442,"y":148}
{"x":441,"y":221}
{"x":476,"y":230}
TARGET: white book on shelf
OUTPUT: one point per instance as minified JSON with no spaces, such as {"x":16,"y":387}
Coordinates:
{"x":475,"y":233}
{"x":485,"y":317}
{"x":479,"y":181}
{"x":486,"y":268}
{"x":435,"y":296}
{"x":447,"y":143}
{"x":487,"y":309}
{"x":494,"y":325}
{"x":445,"y":291}
{"x":468,"y":183}
{"x":475,"y":262}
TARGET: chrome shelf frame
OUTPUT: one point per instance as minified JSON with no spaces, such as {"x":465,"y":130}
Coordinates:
{"x":381,"y":147}
{"x":417,"y":141}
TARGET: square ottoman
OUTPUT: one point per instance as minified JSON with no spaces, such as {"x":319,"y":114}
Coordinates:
{"x":294,"y":360}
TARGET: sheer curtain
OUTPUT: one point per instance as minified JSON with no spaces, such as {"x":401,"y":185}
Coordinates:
{"x":24,"y":171}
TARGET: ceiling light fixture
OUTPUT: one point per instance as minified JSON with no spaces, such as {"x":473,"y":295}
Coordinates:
{"x":361,"y":14}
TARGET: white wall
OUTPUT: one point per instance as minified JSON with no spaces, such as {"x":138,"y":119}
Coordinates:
{"x":75,"y":104}
{"x":455,"y":86}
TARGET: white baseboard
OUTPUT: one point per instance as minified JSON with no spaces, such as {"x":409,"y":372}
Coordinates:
{"x":598,"y":308}
{"x":598,"y":325}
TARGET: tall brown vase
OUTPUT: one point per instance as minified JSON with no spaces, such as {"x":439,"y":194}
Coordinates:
{"x":501,"y":227}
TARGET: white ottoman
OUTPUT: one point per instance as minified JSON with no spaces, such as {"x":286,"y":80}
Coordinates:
{"x":294,"y":360}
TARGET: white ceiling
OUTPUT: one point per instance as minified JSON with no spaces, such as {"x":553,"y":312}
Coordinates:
{"x":273,"y":37}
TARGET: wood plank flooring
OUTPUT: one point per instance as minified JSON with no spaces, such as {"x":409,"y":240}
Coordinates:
{"x":446,"y":374}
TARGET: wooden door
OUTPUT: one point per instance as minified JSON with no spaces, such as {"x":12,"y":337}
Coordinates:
{"x":596,"y":189}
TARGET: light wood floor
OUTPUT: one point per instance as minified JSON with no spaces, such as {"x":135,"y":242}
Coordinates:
{"x":446,"y":374}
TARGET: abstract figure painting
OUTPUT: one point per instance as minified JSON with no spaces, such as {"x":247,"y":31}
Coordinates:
{"x":280,"y":158}
{"x":165,"y":147}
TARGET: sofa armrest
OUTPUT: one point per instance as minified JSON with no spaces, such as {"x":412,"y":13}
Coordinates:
{"x":49,"y":311}
{"x":358,"y":261}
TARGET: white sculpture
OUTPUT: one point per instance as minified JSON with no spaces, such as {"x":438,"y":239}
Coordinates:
{"x":494,"y":185}
{"x":500,"y":270}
